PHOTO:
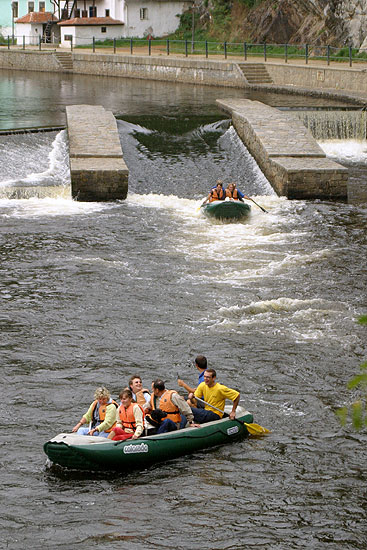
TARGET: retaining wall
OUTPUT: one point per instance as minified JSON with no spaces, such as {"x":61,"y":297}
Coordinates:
{"x":307,"y":78}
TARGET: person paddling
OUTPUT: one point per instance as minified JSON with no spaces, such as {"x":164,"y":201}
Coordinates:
{"x":216,"y":193}
{"x":214,"y":394}
{"x":233,"y":193}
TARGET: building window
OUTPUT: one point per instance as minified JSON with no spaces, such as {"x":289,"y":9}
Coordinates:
{"x":143,"y":13}
{"x":30,"y":7}
{"x":107,"y":13}
{"x":41,"y":6}
{"x":92,"y":11}
{"x":14,"y":6}
{"x":103,"y":29}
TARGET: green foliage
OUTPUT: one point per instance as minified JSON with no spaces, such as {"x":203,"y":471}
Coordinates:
{"x":358,"y":409}
{"x":356,"y":54}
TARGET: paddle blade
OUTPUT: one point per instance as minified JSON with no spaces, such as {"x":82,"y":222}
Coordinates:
{"x":256,"y":429}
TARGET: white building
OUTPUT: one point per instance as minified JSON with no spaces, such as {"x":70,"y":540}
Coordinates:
{"x":139,"y":18}
{"x":81,"y":30}
{"x":32,"y":27}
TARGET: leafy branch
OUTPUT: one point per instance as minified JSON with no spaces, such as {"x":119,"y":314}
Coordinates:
{"x":358,"y":409}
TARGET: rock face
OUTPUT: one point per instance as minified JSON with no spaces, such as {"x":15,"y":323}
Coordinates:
{"x":317,"y":22}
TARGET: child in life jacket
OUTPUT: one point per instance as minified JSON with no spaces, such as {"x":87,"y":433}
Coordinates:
{"x":129,"y":418}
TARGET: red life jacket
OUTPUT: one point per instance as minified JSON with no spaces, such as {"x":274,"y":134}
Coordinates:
{"x":215,"y":196}
{"x":127,"y":416}
{"x":101,"y":414}
{"x":166,"y":405}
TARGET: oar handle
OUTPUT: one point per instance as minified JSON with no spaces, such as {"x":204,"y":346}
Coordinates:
{"x":209,"y":405}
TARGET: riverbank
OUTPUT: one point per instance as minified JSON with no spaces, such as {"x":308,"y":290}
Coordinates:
{"x":336,"y":81}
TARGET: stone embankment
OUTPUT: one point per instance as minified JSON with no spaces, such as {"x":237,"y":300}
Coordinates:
{"x":286,"y":152}
{"x":342,"y":82}
{"x":97,"y":168}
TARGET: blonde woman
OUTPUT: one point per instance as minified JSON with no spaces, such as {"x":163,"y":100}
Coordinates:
{"x":101,"y":415}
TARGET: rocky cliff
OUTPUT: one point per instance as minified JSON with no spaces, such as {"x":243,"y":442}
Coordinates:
{"x":317,"y":22}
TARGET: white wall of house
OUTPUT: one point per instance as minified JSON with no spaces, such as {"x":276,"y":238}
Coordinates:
{"x":83,"y":34}
{"x":141,"y":17}
{"x":31,"y":33}
{"x":151,"y":17}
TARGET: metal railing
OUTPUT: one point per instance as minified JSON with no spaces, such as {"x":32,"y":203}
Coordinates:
{"x":244,"y":50}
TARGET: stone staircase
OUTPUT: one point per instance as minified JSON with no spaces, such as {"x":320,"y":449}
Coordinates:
{"x":65,"y":60}
{"x":255,"y":73}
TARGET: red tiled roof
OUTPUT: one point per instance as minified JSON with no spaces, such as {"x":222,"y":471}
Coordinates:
{"x":90,"y":21}
{"x":37,"y":17}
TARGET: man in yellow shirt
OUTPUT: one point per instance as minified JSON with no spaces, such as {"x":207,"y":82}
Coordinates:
{"x":214,"y":394}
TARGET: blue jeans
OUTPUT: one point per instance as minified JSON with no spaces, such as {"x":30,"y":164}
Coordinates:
{"x":167,"y":426}
{"x":84,"y":431}
{"x":201,"y":416}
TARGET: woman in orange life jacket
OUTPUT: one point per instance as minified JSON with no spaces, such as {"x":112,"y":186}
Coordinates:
{"x":140,"y":394}
{"x":101,"y":415}
{"x":233,"y":193}
{"x":216,"y":193}
{"x":129,"y":418}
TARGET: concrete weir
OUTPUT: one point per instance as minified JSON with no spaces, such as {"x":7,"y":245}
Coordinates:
{"x":98,"y":171}
{"x":286,"y":152}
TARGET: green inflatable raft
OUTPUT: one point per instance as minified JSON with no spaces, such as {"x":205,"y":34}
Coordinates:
{"x":227,"y":210}
{"x":100,"y":454}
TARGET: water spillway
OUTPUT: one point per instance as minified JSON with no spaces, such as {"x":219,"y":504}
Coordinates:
{"x":98,"y":170}
{"x":286,"y":152}
{"x":331,"y":124}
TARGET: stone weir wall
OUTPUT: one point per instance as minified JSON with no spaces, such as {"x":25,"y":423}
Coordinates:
{"x":286,"y":152}
{"x":98,"y":171}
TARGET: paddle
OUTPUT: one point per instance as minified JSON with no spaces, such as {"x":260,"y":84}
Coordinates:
{"x":202,"y":204}
{"x":250,"y":199}
{"x":253,"y":429}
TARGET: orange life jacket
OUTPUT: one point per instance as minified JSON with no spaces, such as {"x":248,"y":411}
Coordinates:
{"x":102,"y":414}
{"x":140,"y":399}
{"x":215,"y":196}
{"x":127,"y":416}
{"x":232,"y":194}
{"x":166,"y":405}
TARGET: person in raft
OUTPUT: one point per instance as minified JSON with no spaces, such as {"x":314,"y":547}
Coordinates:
{"x":214,"y":394}
{"x":140,"y":394}
{"x":233,"y":193}
{"x":170,"y":402}
{"x":201,"y":364}
{"x":101,"y":415}
{"x":216,"y":193}
{"x":129,"y":418}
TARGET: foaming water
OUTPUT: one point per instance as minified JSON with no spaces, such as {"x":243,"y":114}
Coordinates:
{"x":346,"y":150}
{"x":38,"y":167}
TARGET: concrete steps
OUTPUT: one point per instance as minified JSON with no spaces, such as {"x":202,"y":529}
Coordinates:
{"x":65,"y":60}
{"x":255,"y":73}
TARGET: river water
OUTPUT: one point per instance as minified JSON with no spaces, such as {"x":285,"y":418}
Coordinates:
{"x":93,"y":292}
